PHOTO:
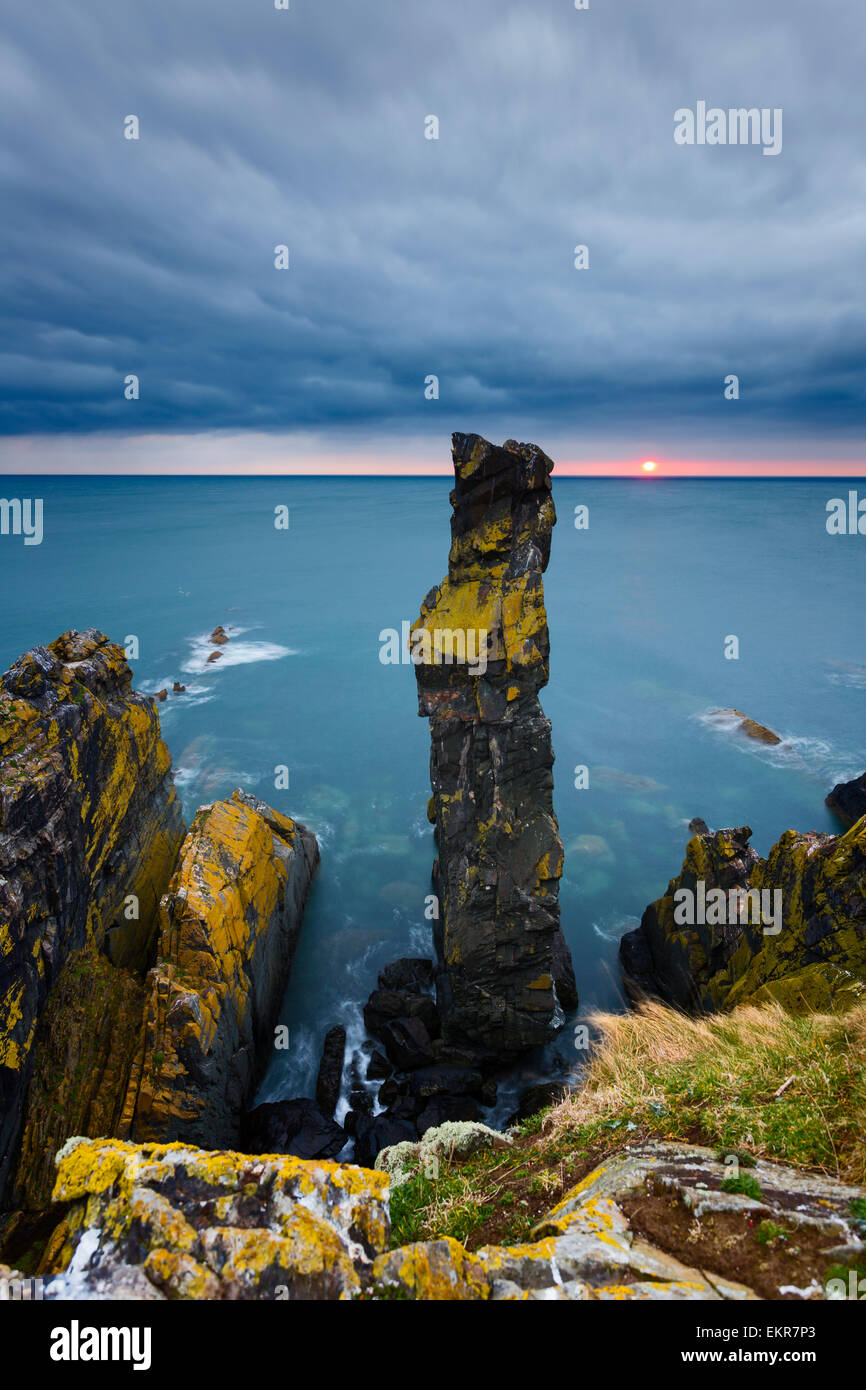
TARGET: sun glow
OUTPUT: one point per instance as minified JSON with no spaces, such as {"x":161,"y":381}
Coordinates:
{"x":648,"y":466}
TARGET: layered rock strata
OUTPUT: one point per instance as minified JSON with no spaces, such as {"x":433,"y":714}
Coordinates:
{"x":229,"y":925}
{"x":481,"y":650}
{"x":812,"y":956}
{"x":90,"y":828}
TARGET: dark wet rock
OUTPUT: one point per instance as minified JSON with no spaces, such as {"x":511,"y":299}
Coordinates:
{"x":379,"y":1067}
{"x":500,"y":855}
{"x":361,"y":1100}
{"x":488,"y":1093}
{"x":330,"y":1075}
{"x":536,"y":1098}
{"x":374,"y":1133}
{"x":442,"y":1108}
{"x":292,"y":1127}
{"x":384,"y":1005}
{"x":407,"y":1043}
{"x":848,"y":799}
{"x":389,"y":1092}
{"x":444,"y":1080}
{"x":406,"y":1108}
{"x":563,"y":974}
{"x":414,"y":973}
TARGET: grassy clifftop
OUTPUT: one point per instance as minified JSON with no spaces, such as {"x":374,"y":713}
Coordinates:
{"x":757,"y":1082}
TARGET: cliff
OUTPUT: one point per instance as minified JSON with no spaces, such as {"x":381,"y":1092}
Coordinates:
{"x":812,"y":957}
{"x":229,"y":925}
{"x":90,"y":827}
{"x":481,"y":651}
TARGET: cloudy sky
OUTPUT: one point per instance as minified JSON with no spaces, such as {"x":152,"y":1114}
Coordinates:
{"x":411,"y":257}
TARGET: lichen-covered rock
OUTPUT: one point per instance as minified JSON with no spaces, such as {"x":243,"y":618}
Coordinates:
{"x":817,"y":957}
{"x":170,"y":1221}
{"x":481,"y":651}
{"x":229,"y":925}
{"x":90,"y":828}
{"x":453,"y":1139}
{"x":86,"y":1044}
{"x":432,"y":1271}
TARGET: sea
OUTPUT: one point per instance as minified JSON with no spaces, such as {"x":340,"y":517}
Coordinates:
{"x":668,"y":601}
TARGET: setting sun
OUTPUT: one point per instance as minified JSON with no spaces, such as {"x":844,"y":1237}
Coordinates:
{"x":649,"y":466}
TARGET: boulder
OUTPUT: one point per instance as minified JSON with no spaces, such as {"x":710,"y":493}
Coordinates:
{"x":407,"y":1043}
{"x":384,"y":1005}
{"x":296,"y":1127}
{"x":374,"y":1133}
{"x":440,"y":1109}
{"x":442,"y":1080}
{"x":413,"y":973}
{"x":379,"y":1067}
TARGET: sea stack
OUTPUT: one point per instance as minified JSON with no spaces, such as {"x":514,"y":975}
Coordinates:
{"x":481,"y":651}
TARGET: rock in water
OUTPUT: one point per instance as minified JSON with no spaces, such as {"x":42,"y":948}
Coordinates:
{"x":791,"y":927}
{"x":91,"y":828}
{"x":331,"y":1070}
{"x":298,"y":1127}
{"x":229,"y":927}
{"x":848,"y":799}
{"x":481,"y":649}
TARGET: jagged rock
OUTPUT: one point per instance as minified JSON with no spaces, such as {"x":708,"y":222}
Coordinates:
{"x":500,"y":855}
{"x":384,"y":1005}
{"x":817,"y":956}
{"x":161,"y":695}
{"x":168,"y":1221}
{"x":413,"y":973}
{"x":91,"y":828}
{"x":407,"y":1043}
{"x":389,"y":1092}
{"x":330,"y":1075}
{"x":298,"y":1127}
{"x":219,"y":636}
{"x":229,"y":926}
{"x":848,"y":799}
{"x":178,"y":688}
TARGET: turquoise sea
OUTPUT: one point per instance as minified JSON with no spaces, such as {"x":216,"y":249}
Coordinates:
{"x":640,"y":605}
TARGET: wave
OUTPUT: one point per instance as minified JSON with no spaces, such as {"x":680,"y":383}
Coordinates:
{"x":818,"y":757}
{"x":233,"y":653}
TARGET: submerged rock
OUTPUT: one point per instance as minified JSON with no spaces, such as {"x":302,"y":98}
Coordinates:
{"x":750,"y":727}
{"x":481,"y":652}
{"x":808,"y":949}
{"x":91,"y":828}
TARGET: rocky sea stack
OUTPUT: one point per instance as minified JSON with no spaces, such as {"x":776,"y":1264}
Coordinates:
{"x":481,"y":650}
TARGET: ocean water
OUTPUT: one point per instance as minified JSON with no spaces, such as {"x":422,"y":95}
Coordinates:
{"x":639,"y":604}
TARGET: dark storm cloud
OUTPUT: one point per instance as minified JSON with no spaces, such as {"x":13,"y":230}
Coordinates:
{"x":409,"y":256}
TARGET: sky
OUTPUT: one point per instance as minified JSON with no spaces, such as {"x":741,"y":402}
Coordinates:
{"x":412,"y":258}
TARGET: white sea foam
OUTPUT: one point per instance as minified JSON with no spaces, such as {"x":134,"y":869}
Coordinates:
{"x":232,"y":653}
